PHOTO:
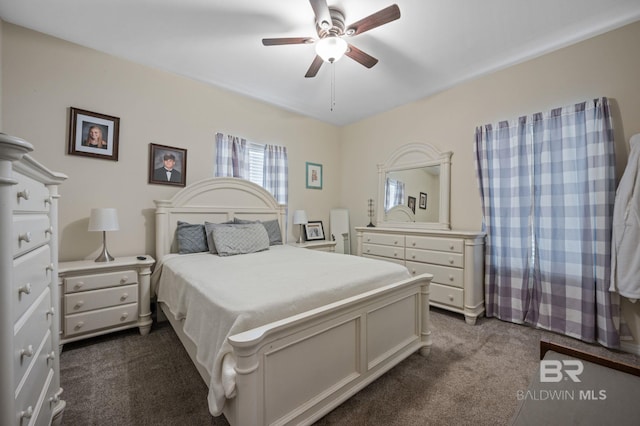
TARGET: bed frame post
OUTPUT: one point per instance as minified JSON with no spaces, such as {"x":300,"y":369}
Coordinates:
{"x":426,"y":319}
{"x":248,"y":379}
{"x":163,"y":242}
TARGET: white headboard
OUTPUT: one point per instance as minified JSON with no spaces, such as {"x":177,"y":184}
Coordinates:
{"x":400,"y":213}
{"x":214,"y":200}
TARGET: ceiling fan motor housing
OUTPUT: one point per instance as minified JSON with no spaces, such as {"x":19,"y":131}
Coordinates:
{"x":337,"y":25}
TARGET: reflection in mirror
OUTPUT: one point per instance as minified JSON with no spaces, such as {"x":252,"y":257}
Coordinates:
{"x":422,"y":183}
{"x":414,"y":188}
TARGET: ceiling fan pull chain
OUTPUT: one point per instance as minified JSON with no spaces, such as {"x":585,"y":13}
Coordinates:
{"x":333,"y":85}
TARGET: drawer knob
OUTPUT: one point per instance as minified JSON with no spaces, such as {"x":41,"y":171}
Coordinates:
{"x":79,"y":325}
{"x":49,"y":267}
{"x":413,"y":256}
{"x":395,"y":242}
{"x":451,"y":261}
{"x":125,"y":296}
{"x":26,"y":289}
{"x":79,"y":304}
{"x":124,"y":279}
{"x":24,"y":194}
{"x":413,"y":271}
{"x":51,"y":356}
{"x":56,"y":397}
{"x":451,"y":297}
{"x":48,"y":200}
{"x":28,"y":351}
{"x":78,"y":285}
{"x":450,"y":277}
{"x":124,"y":316}
{"x":26,"y":414}
{"x":26,"y":237}
{"x":49,"y":230}
{"x":51,"y":311}
{"x":451,"y":246}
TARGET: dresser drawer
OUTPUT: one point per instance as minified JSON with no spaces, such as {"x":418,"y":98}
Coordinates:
{"x":437,"y":257}
{"x":93,"y":282}
{"x":29,"y":332}
{"x":384,"y":239}
{"x":385,"y":251}
{"x":446,"y":295}
{"x":31,"y":275}
{"x":33,"y":388}
{"x":102,"y":298}
{"x":102,"y":318}
{"x":30,"y":231}
{"x":441,"y":274}
{"x":30,"y":195}
{"x":435,"y":243}
{"x":386,"y":259}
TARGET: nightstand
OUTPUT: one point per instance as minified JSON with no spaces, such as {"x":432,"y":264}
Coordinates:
{"x":321,"y":245}
{"x":103,"y":297}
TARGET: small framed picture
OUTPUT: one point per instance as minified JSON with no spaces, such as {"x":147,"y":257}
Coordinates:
{"x":313,"y":230}
{"x":314,"y":176}
{"x":167,"y":165}
{"x":411,"y":202}
{"x":423,"y":200}
{"x":93,"y":135}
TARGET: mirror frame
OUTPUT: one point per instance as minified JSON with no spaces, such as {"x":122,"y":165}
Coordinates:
{"x":411,"y":156}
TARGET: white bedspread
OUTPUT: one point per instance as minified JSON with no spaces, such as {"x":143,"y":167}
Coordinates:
{"x":222,"y":296}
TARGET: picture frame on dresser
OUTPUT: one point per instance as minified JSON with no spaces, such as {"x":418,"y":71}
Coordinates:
{"x":92,"y":134}
{"x":314,"y":231}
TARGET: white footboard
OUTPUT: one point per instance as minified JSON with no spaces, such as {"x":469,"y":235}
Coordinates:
{"x":296,"y":370}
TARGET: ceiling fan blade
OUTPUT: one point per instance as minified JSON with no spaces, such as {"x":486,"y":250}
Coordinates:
{"x":361,"y":57}
{"x":315,"y":67}
{"x":323,"y":16}
{"x":286,"y":40}
{"x":381,"y":17}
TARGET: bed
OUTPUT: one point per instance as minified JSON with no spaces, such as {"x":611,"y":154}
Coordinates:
{"x":579,"y":388}
{"x":277,"y":347}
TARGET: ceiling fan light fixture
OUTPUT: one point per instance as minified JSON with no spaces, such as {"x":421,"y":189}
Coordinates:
{"x":331,"y":48}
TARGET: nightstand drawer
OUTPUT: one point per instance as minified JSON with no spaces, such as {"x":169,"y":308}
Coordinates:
{"x":93,"y":282}
{"x":97,"y":299}
{"x":447,"y":295}
{"x":384,"y":239}
{"x":435,"y":243}
{"x":31,"y":275}
{"x":441,"y":274}
{"x":30,"y":195}
{"x":437,"y":257}
{"x":101,"y":318}
{"x":386,"y":251}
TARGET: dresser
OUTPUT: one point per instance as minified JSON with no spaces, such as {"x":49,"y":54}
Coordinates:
{"x":30,"y":392}
{"x":103,"y":297}
{"x":455,"y":258}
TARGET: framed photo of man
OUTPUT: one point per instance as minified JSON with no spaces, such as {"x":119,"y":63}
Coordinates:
{"x":167,"y":165}
{"x":92,"y":134}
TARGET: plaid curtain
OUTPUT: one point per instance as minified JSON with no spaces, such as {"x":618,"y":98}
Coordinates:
{"x":232,"y":157}
{"x":276,"y":172}
{"x":547,"y":184}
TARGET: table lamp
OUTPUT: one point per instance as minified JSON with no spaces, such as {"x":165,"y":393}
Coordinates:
{"x":300,"y":218}
{"x":104,"y":219}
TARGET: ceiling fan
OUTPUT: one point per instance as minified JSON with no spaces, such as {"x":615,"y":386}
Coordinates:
{"x":331,"y":44}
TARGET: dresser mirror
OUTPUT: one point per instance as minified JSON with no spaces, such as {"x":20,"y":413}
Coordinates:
{"x":414,"y":188}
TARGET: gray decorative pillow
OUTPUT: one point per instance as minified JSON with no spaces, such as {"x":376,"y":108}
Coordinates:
{"x":240,"y":238}
{"x":272,"y":227}
{"x":208,"y":227}
{"x":191,"y":238}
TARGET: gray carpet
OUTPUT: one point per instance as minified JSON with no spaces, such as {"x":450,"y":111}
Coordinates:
{"x":471,"y":378}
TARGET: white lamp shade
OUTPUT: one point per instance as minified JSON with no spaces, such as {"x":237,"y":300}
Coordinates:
{"x":299,"y":217}
{"x":331,"y":48}
{"x":105,"y":219}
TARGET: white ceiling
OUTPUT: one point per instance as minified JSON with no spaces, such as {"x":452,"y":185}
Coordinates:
{"x":435,"y":45}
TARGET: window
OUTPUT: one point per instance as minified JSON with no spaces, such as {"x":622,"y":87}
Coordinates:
{"x":256,"y":163}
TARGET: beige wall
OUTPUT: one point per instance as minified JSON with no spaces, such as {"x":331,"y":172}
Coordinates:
{"x":607,"y":65}
{"x":43,"y":76}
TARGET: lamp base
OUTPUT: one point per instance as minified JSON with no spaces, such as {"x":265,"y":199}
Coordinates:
{"x":300,"y":240}
{"x":104,"y":256}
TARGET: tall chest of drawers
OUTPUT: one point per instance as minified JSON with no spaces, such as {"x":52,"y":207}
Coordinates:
{"x":30,"y":392}
{"x":455,"y":258}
